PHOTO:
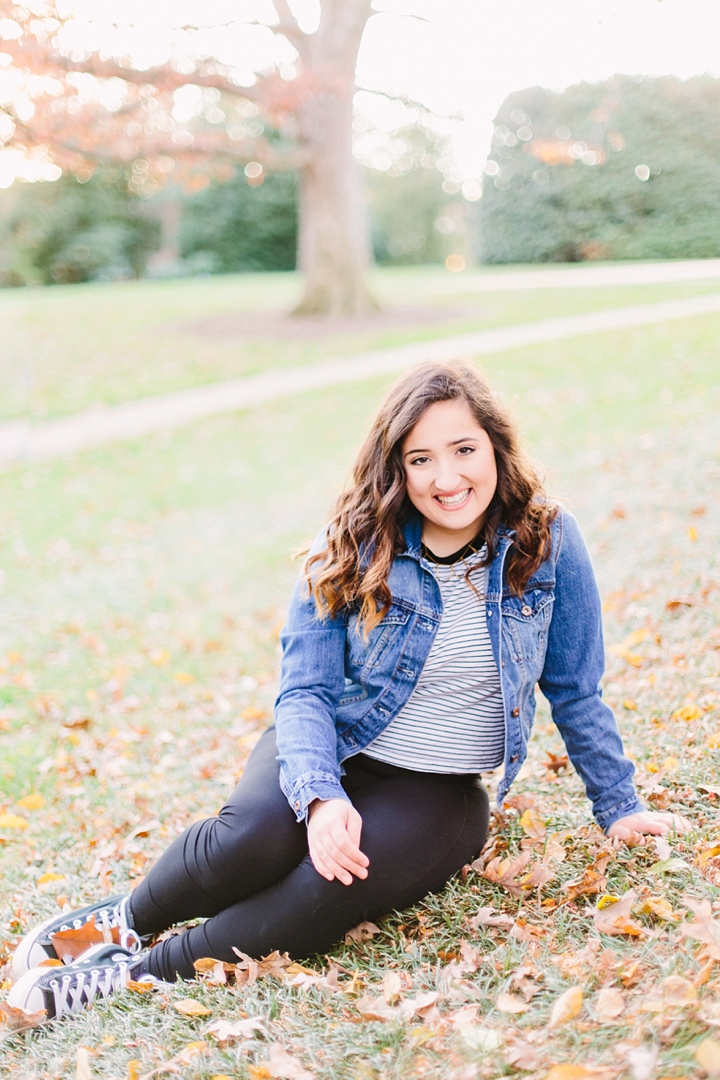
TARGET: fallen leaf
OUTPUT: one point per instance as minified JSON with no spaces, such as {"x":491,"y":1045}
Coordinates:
{"x":361,"y":933}
{"x":191,"y":1007}
{"x":12,"y":821}
{"x":173,"y":1065}
{"x":609,"y":1004}
{"x":511,"y":1003}
{"x":71,"y":944}
{"x":31,"y":802}
{"x":478,"y":1038}
{"x":672,"y":992}
{"x":679,"y":602}
{"x":707,"y":1054}
{"x":19,"y":1019}
{"x":44,"y":879}
{"x":659,"y":907}
{"x":615,"y":917}
{"x":485,"y":917}
{"x":82,"y":1064}
{"x":589,"y":884}
{"x":642,"y":1061}
{"x":708,"y":853}
{"x":522,"y":1055}
{"x":555,"y":762}
{"x":282,"y":1064}
{"x":580,"y":1072}
{"x":567,"y":1006}
{"x":532,"y":824}
{"x":392,"y":987}
{"x":687,"y":713}
{"x":703,"y":928}
{"x":375,"y":1008}
{"x":505,"y":871}
{"x":419,"y":1004}
{"x":225,"y":1031}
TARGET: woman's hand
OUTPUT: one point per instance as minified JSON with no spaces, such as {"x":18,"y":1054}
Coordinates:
{"x":653,"y":822}
{"x":334,"y":828}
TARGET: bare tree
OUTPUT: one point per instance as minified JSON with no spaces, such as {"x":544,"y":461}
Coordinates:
{"x":85,"y":107}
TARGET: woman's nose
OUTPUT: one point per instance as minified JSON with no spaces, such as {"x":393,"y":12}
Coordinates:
{"x":447,"y":477}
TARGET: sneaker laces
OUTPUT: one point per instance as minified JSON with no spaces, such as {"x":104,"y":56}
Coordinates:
{"x":108,"y":919}
{"x":72,"y":992}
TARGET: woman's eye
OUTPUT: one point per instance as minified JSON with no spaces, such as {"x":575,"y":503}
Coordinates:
{"x":466,"y":450}
{"x":419,"y":460}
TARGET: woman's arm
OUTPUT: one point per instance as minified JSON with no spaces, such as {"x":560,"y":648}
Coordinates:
{"x":312,"y":679}
{"x":574,"y":666}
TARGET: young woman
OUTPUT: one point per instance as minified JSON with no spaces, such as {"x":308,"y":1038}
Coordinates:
{"x":445,"y":587}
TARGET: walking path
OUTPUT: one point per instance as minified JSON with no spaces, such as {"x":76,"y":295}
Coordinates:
{"x":24,"y":440}
{"x":587,"y":276}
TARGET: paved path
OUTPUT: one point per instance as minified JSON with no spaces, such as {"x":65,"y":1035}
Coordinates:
{"x":51,"y":438}
{"x":585,"y":276}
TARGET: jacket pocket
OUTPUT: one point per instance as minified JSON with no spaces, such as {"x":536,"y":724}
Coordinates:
{"x":364,"y":654}
{"x":526,"y":620}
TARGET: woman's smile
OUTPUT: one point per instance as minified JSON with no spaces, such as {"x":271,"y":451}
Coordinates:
{"x":454,"y":502}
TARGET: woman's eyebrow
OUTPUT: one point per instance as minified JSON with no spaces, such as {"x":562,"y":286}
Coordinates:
{"x":455,"y":442}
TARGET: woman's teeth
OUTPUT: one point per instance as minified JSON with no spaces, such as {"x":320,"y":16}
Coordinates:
{"x":453,"y":500}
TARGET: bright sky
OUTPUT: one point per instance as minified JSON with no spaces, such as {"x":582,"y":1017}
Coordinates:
{"x":459,"y":56}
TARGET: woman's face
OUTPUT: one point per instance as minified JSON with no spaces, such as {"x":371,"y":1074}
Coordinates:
{"x":451,"y":474}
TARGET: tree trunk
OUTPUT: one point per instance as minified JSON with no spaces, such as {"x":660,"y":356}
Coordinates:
{"x":334,"y":250}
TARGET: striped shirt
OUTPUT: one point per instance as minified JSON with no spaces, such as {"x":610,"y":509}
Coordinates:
{"x":453,"y":721}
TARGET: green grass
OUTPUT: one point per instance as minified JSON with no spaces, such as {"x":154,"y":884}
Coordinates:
{"x":143,"y":586}
{"x":70,"y":348}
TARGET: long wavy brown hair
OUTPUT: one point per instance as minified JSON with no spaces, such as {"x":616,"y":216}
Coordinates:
{"x":365,"y":532}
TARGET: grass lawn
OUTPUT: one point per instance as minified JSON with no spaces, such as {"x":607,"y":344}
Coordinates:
{"x":143,"y":585}
{"x":69,"y":348}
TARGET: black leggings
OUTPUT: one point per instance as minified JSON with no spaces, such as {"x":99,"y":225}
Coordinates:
{"x":248,"y":871}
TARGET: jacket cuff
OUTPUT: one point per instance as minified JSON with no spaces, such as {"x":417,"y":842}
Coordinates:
{"x":309,"y":787}
{"x":606,"y":818}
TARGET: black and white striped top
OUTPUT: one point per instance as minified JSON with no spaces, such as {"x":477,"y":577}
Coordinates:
{"x":453,"y":721}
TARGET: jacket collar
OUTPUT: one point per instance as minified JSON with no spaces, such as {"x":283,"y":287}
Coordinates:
{"x":412,"y":532}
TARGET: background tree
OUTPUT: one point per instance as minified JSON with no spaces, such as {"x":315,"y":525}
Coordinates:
{"x":624,"y":169}
{"x":87,"y":105}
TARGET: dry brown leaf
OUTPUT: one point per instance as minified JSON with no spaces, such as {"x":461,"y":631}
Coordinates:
{"x":707,"y":1055}
{"x":19,"y":1019}
{"x":609,"y":1004}
{"x":361,"y":933}
{"x":82,"y":1064}
{"x":225,"y":1031}
{"x":375,"y":1008}
{"x":175,"y":1064}
{"x":672,"y":992}
{"x":567,"y":1006}
{"x":511,"y":1003}
{"x":71,"y":944}
{"x":615,"y":918}
{"x":574,"y":964}
{"x":522,"y":1055}
{"x":532,"y":824}
{"x":591,"y":883}
{"x":703,"y":928}
{"x":485,"y":917}
{"x":282,"y":1064}
{"x":418,"y":1005}
{"x":392,"y":987}
{"x":659,"y":907}
{"x":191,"y":1007}
{"x":463,"y":1017}
{"x":555,"y":762}
{"x":505,"y":871}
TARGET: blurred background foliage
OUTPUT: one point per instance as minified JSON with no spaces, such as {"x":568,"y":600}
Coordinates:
{"x":625,"y":169}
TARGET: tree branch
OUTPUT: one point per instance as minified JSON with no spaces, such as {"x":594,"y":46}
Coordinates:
{"x":289,"y":26}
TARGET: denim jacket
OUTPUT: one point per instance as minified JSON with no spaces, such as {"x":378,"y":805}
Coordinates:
{"x":338,"y":691}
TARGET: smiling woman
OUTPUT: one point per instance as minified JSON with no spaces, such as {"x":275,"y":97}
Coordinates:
{"x":444,"y":589}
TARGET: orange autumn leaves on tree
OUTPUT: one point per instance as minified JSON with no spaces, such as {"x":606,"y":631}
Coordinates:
{"x":82,"y":104}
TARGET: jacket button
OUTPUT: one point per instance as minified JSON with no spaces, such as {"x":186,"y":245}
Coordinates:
{"x":526,"y":610}
{"x":514,"y":757}
{"x":516,"y":711}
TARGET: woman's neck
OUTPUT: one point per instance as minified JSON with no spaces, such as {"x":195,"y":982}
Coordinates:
{"x":444,"y":542}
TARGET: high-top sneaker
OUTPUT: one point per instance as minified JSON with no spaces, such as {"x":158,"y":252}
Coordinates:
{"x":112,"y":919}
{"x":100,"y":972}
